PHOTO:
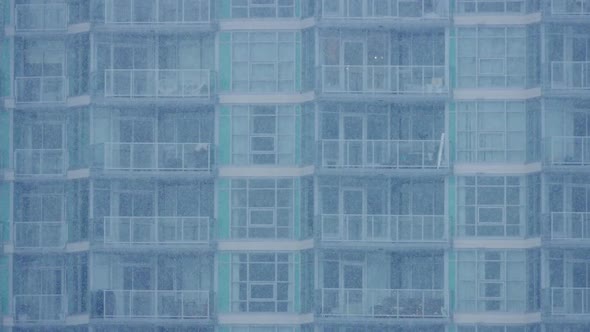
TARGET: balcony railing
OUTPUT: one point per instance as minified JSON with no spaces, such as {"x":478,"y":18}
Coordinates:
{"x":157,"y":83}
{"x":570,"y":7}
{"x":154,"y":156}
{"x":138,"y":12}
{"x":41,"y":17}
{"x":137,"y":231}
{"x":178,"y":304}
{"x":567,"y":150}
{"x":382,"y":228}
{"x":570,"y":75}
{"x":572,"y":301}
{"x":39,"y":162}
{"x":39,"y":308}
{"x":491,"y":6}
{"x":40,"y":89}
{"x":383,"y":79}
{"x":383,"y":154}
{"x":354,"y":9}
{"x":569,"y":226}
{"x":39,"y":235}
{"x":382,"y":303}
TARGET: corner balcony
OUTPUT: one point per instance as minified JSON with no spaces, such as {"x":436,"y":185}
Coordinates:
{"x":390,"y":83}
{"x":40,"y":162}
{"x":569,"y":153}
{"x":39,"y":17}
{"x":386,"y":156}
{"x":570,"y":78}
{"x":567,"y":229}
{"x":40,"y":90}
{"x":568,"y":303}
{"x":570,"y":11}
{"x":152,"y":305}
{"x":163,"y":158}
{"x":354,"y":231}
{"x":39,"y":308}
{"x":153,"y":232}
{"x":379,"y":13}
{"x":411,"y":305}
{"x":39,"y":236}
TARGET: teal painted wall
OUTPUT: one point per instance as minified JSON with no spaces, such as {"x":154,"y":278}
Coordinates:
{"x":224,"y":9}
{"x":4,"y":138}
{"x":5,"y":203}
{"x":224,"y":61}
{"x":5,"y":82}
{"x":223,"y":282}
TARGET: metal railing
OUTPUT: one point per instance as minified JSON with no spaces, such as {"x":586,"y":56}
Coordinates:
{"x":383,"y":79}
{"x":130,"y":231}
{"x":491,"y":6}
{"x":41,"y":17}
{"x":570,"y":7}
{"x":567,"y":150}
{"x":156,"y":83}
{"x":278,"y":224}
{"x":382,"y":228}
{"x":39,"y":308}
{"x":180,"y":304}
{"x":40,"y":89}
{"x":39,"y":234}
{"x":156,"y":12}
{"x":340,"y":153}
{"x":568,"y":226}
{"x":570,"y":75}
{"x":568,"y":301}
{"x":354,"y":9}
{"x":154,"y":156}
{"x":39,"y":162}
{"x":382,"y":303}
{"x":502,"y":229}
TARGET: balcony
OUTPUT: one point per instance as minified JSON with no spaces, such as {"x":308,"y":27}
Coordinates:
{"x":570,"y":75}
{"x":569,"y":227}
{"x":573,"y":302}
{"x":168,"y":157}
{"x":486,"y":7}
{"x":158,"y":83}
{"x":41,"y":17}
{"x":150,"y":231}
{"x":382,"y":154}
{"x":39,"y":236}
{"x":156,"y":12}
{"x":40,"y":89}
{"x":565,"y":151}
{"x":383,"y":81}
{"x":570,"y":7}
{"x":152,"y":304}
{"x":382,"y":303}
{"x":39,"y":308}
{"x":355,"y":230}
{"x":39,"y":162}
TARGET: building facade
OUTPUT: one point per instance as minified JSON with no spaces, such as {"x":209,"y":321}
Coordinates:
{"x":295,"y":165}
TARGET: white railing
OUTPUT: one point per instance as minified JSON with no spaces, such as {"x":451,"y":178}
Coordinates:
{"x":340,"y":153}
{"x":41,"y":17}
{"x":569,"y":225}
{"x":40,"y":89}
{"x":354,"y":9}
{"x":569,"y":301}
{"x":567,"y":150}
{"x":39,"y":308}
{"x":131,"y":231}
{"x":39,"y":234}
{"x":383,"y":79}
{"x":274,"y":226}
{"x":180,"y":304}
{"x":164,"y":83}
{"x":39,"y":161}
{"x":570,"y":75}
{"x":156,"y":12}
{"x":382,"y":228}
{"x":155,"y":156}
{"x":491,"y":6}
{"x":570,"y":7}
{"x":382,"y":303}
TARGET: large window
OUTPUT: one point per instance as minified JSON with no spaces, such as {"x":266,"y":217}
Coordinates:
{"x":491,"y":57}
{"x":262,"y":282}
{"x":263,"y":61}
{"x":262,"y":208}
{"x":262,"y":8}
{"x":499,"y":328}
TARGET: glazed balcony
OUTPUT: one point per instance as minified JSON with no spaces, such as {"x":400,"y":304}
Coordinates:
{"x":570,"y":7}
{"x":39,"y":308}
{"x":567,"y":151}
{"x":39,"y":17}
{"x":39,"y":162}
{"x":40,"y":89}
{"x":569,"y":227}
{"x":156,"y":12}
{"x":570,"y":75}
{"x":491,"y":7}
{"x":572,"y":302}
{"x":39,"y":235}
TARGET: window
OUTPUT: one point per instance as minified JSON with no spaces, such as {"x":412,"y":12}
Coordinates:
{"x":491,"y":57}
{"x":262,"y":8}
{"x":262,"y":208}
{"x":497,"y":6}
{"x":262,"y":329}
{"x":262,"y":282}
{"x":491,"y":206}
{"x":263,"y":61}
{"x":499,"y":328}
{"x":491,"y":281}
{"x":491,"y":131}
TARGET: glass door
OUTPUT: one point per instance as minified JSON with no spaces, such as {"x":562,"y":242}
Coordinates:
{"x":353,"y":134}
{"x":352,"y":287}
{"x":353,"y":207}
{"x":354,"y":71}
